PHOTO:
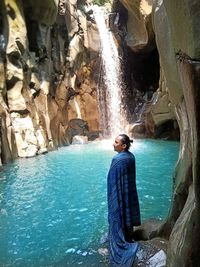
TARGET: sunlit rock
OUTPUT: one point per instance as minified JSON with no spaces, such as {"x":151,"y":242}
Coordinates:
{"x":35,"y":81}
{"x":2,"y":75}
{"x":42,"y":144}
{"x":75,"y":47}
{"x":25,"y":135}
{"x":137,"y":130}
{"x":139,"y":26}
{"x":92,"y":37}
{"x":169,"y":77}
{"x":72,"y":20}
{"x":16,"y":101}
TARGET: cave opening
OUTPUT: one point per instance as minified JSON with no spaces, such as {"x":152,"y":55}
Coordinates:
{"x":32,"y":31}
{"x":32,"y":28}
{"x":168,"y":130}
{"x":142,"y":74}
{"x":145,"y":70}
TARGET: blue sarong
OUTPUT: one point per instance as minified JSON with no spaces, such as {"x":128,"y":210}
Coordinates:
{"x":123,"y":209}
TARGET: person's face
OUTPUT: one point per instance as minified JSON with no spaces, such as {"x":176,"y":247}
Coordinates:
{"x":118,"y":146}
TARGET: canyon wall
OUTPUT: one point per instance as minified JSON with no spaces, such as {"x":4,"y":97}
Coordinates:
{"x":47,"y":88}
{"x":176,"y":28}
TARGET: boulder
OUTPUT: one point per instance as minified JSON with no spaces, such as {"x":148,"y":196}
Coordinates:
{"x":79,"y":140}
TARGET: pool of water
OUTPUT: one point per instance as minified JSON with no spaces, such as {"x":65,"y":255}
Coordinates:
{"x":53,"y":209}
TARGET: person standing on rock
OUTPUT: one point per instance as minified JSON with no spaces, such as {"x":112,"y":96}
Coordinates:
{"x":123,"y":204}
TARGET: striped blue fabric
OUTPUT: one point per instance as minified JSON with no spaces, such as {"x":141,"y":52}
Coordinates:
{"x":123,"y":208}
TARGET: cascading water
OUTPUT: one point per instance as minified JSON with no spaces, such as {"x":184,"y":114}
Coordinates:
{"x":77,"y":109}
{"x":112,"y":76}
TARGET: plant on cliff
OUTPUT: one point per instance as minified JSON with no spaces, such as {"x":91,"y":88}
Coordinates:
{"x":100,"y":2}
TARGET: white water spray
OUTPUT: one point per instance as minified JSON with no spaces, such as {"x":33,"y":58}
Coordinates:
{"x":78,"y":111}
{"x":112,"y":77}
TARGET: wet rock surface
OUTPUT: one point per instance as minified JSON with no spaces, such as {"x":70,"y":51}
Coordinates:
{"x":151,"y":253}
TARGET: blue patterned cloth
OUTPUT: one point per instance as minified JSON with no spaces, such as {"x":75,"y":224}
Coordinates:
{"x":123,"y":209}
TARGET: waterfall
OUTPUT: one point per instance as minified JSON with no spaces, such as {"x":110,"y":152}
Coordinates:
{"x":112,"y":76}
{"x":78,"y":111}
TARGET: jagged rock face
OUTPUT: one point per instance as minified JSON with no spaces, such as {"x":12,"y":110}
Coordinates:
{"x":45,"y":74}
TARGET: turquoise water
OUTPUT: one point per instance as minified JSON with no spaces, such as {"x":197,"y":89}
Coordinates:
{"x":53,"y":209}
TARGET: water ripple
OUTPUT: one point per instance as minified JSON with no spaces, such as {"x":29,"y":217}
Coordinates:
{"x":54,"y":213}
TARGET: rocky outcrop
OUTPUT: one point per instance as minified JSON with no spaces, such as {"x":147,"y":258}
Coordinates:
{"x":139,"y":27}
{"x":47,"y":51}
{"x":183,"y":221}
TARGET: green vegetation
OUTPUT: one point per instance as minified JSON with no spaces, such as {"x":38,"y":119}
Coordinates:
{"x":100,"y":2}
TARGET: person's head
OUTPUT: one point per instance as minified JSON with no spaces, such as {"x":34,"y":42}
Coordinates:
{"x":122,"y":143}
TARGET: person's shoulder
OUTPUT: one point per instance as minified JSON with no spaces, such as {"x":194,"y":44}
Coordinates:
{"x":126,"y":155}
{"x":123,"y":155}
{"x":130,"y":155}
{"x":115,"y":159}
{"x":119,"y":157}
{"x":116,"y":156}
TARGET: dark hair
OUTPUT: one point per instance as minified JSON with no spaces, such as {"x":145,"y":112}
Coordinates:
{"x":126,"y":140}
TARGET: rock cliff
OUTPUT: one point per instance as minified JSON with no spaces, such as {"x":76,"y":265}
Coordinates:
{"x":47,"y":51}
{"x":176,"y":28}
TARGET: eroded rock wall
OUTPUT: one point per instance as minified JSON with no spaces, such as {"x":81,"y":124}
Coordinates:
{"x":182,"y":77}
{"x":176,"y":28}
{"x":47,"y":51}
